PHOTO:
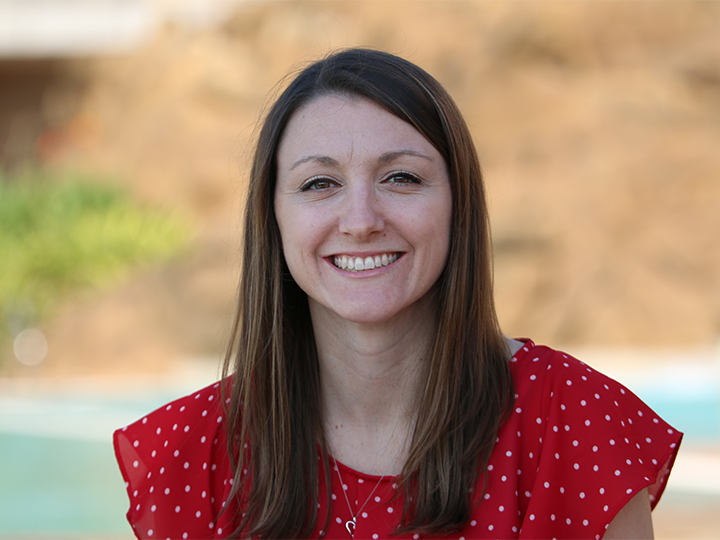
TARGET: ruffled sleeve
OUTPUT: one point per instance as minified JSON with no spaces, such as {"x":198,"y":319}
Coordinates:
{"x":177,"y":475}
{"x":599,"y":446}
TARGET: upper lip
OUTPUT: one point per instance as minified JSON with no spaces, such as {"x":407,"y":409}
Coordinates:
{"x":364,"y":254}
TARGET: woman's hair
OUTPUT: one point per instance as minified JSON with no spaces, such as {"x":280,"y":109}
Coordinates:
{"x":275,"y":399}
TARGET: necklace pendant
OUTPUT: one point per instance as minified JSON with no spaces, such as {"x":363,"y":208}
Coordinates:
{"x":350,"y":526}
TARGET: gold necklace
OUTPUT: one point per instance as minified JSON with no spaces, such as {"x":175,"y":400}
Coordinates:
{"x":350,"y":523}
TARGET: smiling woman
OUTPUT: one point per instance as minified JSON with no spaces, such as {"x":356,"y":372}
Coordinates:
{"x":380,"y":190}
{"x":368,"y":389}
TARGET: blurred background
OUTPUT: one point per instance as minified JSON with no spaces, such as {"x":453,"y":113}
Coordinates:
{"x":126,"y":128}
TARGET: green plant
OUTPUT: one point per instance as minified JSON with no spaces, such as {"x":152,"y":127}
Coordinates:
{"x":58,"y":236}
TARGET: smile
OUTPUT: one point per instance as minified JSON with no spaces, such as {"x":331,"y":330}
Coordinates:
{"x":358,"y":264}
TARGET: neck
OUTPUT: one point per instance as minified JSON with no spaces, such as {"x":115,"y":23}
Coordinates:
{"x":371,"y":377}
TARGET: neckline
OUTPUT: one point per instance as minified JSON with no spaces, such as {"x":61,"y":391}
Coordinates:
{"x":359,"y":474}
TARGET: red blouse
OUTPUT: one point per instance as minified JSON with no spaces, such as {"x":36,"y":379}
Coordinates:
{"x":576,"y":448}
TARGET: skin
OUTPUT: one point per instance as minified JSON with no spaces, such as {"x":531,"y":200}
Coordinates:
{"x":356,"y":180}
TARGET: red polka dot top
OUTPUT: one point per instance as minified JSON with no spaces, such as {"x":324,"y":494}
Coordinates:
{"x":576,"y":448}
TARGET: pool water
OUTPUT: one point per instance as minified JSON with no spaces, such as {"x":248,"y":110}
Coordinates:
{"x":53,"y":487}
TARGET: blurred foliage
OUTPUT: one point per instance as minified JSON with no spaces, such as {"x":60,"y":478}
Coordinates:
{"x":61,"y":235}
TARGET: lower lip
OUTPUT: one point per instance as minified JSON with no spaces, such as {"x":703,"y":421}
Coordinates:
{"x":365,"y":273}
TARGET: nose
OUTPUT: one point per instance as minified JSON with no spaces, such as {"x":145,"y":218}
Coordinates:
{"x":361,"y":215}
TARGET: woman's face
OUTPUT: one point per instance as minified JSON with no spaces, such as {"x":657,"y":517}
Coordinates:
{"x":363,"y":203}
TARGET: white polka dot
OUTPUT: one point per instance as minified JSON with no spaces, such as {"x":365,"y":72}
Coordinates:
{"x":504,"y":478}
{"x":364,"y":514}
{"x":508,"y":453}
{"x":338,"y":520}
{"x":586,"y":522}
{"x":583,"y":402}
{"x":575,"y":443}
{"x":576,"y":466}
{"x":136,"y":463}
{"x":167,"y":491}
{"x":153,"y":508}
{"x":186,"y":465}
{"x":532,"y":517}
{"x":606,"y":507}
{"x":490,"y":527}
{"x":176,"y":453}
{"x":612,"y":442}
{"x":629,"y":491}
{"x":602,"y":491}
{"x":177,"y":509}
{"x":187,"y":428}
{"x":518,"y":410}
{"x":377,"y":499}
{"x":617,"y":473}
{"x":538,"y":420}
{"x":582,"y":495}
{"x":198,"y":514}
{"x":552,"y":517}
{"x":187,"y":489}
{"x":150,"y":532}
{"x":547,"y":485}
{"x":390,"y":509}
{"x":533,"y":377}
{"x":596,"y":468}
{"x":375,"y":536}
{"x":568,"y":521}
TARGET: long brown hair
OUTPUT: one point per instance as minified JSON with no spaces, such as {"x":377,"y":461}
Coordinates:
{"x":275,"y":397}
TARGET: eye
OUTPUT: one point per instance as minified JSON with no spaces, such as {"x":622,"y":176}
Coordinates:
{"x":402,"y":177}
{"x":318,"y":183}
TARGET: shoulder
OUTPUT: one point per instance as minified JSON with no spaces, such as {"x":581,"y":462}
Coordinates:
{"x":585,"y":443}
{"x":174,"y":421}
{"x":174,"y":462}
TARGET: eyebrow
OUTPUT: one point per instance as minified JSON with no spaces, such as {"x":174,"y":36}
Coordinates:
{"x":391,"y":156}
{"x":325,"y":160}
{"x":387,"y":157}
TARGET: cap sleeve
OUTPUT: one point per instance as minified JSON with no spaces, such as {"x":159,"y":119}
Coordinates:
{"x":601,"y":445}
{"x":175,"y":466}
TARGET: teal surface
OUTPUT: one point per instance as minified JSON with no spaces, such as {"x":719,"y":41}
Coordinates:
{"x":60,"y":488}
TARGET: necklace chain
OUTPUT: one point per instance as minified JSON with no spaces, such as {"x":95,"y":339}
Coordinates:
{"x":350,"y":523}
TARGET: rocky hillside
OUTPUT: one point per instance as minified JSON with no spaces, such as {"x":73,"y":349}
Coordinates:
{"x":598,"y":124}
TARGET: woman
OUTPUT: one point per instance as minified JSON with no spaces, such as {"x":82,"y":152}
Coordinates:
{"x":368,"y":389}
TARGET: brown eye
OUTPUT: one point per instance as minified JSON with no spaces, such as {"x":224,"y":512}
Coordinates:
{"x":318,"y":183}
{"x":402,"y":178}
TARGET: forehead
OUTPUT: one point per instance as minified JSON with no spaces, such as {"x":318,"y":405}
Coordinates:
{"x":334,"y":124}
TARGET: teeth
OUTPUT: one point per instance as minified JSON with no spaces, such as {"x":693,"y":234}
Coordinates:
{"x":358,"y":264}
